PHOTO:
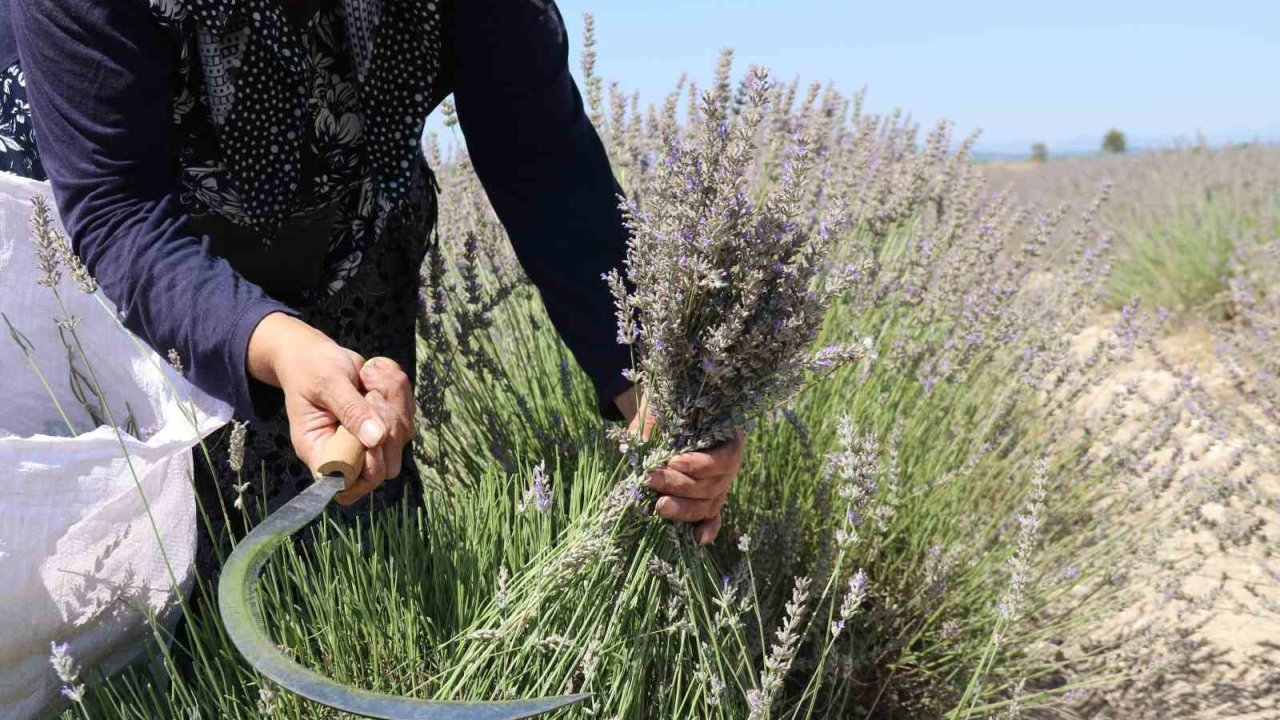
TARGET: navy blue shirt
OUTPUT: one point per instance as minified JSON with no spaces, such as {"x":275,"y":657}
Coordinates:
{"x":98,"y":77}
{"x":8,"y":43}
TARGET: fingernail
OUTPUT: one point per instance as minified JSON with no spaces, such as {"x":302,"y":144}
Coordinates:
{"x":372,"y":432}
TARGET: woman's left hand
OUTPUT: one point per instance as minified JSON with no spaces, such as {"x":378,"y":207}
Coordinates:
{"x":695,"y":485}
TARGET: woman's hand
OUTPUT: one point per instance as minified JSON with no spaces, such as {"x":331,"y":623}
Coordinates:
{"x":694,"y":486}
{"x":326,"y":385}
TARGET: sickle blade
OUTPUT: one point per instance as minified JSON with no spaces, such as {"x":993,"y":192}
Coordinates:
{"x":238,"y":603}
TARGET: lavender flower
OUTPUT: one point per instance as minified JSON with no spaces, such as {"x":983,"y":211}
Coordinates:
{"x":854,"y":597}
{"x":175,"y":360}
{"x":781,"y":654}
{"x":538,"y":496}
{"x":48,"y":253}
{"x":65,"y":668}
{"x":54,"y":252}
{"x":235,"y":444}
{"x":240,"y":489}
{"x":1010,"y":606}
{"x":266,"y":701}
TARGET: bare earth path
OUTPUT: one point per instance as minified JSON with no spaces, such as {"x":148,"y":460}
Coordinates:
{"x":1217,"y":624}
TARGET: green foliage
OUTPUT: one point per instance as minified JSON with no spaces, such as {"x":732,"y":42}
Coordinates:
{"x":1179,"y":261}
{"x":1039,"y":152}
{"x":1114,"y":142}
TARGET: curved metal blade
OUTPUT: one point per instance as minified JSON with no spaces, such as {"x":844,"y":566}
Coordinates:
{"x":238,"y":602}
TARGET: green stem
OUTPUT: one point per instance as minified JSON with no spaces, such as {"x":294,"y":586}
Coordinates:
{"x":28,"y":352}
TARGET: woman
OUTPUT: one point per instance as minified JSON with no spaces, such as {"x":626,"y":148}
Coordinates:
{"x":245,"y":179}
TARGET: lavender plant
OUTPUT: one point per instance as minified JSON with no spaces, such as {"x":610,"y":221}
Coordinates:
{"x":721,"y":302}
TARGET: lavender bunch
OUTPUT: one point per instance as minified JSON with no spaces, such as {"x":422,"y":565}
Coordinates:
{"x":721,"y":298}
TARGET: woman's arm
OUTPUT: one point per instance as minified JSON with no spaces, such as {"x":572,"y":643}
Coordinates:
{"x":545,"y":171}
{"x":97,"y":77}
{"x":548,"y":178}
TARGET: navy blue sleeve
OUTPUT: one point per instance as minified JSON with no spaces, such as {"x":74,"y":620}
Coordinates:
{"x":8,"y":44}
{"x":545,"y":171}
{"x":97,"y":80}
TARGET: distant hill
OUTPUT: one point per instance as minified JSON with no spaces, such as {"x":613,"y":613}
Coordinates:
{"x":1010,"y":152}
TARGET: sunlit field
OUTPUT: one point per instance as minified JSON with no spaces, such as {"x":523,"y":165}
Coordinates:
{"x":1012,"y":443}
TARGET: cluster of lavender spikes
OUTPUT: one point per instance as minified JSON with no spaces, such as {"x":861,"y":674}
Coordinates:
{"x":721,"y":299}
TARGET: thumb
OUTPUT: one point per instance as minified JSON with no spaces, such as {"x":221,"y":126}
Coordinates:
{"x":355,"y":413}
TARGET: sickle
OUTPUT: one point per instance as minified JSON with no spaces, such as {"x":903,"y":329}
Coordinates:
{"x":238,"y":602}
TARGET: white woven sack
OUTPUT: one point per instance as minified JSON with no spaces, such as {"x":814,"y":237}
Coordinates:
{"x":84,"y":560}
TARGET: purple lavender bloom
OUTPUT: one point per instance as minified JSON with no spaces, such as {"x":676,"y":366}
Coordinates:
{"x":541,"y":490}
{"x":828,"y":356}
{"x":75,"y":693}
{"x":858,"y":584}
{"x":853,"y":517}
{"x":1005,"y":609}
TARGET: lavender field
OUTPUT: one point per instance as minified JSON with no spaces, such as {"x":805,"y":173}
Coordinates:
{"x":1013,"y":443}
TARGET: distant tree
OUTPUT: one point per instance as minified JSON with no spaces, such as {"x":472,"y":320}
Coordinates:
{"x":1039,"y":152}
{"x":1113,"y":141}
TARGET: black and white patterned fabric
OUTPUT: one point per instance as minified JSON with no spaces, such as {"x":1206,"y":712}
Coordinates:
{"x":280,"y":115}
{"x":18,"y":153}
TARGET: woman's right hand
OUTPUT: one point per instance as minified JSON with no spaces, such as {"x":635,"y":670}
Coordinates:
{"x":326,"y":385}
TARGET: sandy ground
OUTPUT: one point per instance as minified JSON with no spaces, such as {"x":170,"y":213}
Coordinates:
{"x":1220,"y":654}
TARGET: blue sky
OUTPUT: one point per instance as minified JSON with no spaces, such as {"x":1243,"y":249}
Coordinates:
{"x":1059,"y":72}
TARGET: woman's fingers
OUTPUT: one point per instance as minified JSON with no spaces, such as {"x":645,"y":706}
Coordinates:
{"x":667,"y":481}
{"x":722,"y":460}
{"x":340,"y":397}
{"x":394,"y":457}
{"x":393,"y":447}
{"x":384,"y":376}
{"x":694,"y":486}
{"x":392,"y":396}
{"x":700,"y":475}
{"x":375,"y":469}
{"x":705,"y":532}
{"x":688,"y":509}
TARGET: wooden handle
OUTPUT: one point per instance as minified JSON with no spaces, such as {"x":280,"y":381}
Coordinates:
{"x":343,"y":455}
